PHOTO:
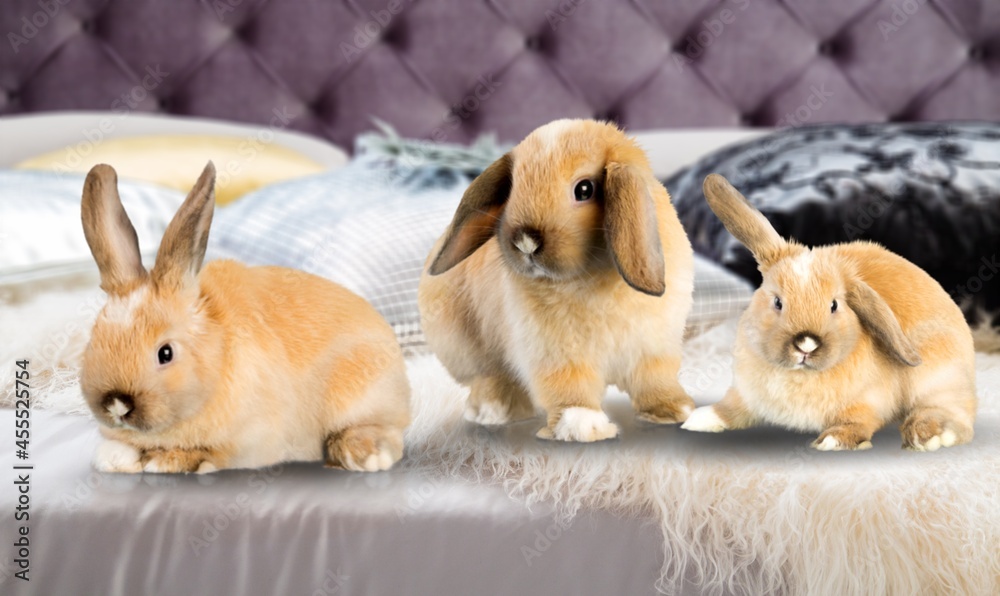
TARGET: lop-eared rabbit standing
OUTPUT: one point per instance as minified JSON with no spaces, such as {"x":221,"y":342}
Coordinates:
{"x":565,"y":269}
{"x":841,"y":340}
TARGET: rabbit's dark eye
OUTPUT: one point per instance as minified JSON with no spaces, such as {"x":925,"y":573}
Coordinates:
{"x":584,"y":190}
{"x":777,"y":303}
{"x":165,"y":354}
{"x":833,"y":307}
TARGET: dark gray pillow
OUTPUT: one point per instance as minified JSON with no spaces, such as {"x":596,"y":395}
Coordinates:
{"x":927,"y":191}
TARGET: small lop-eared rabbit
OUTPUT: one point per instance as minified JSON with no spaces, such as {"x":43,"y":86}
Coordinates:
{"x":565,"y":269}
{"x":193,"y":369}
{"x":842,"y":340}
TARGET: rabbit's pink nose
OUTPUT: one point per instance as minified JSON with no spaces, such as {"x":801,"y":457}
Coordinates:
{"x":807,"y":344}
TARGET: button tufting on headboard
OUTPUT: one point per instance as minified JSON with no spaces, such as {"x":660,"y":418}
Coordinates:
{"x":395,"y":36}
{"x":827,"y":48}
{"x":646,"y":64}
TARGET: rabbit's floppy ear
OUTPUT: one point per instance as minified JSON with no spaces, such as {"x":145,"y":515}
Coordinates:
{"x":632,"y":228}
{"x":879,"y":321}
{"x":743,"y":221}
{"x":183,"y":247}
{"x":477,"y":215}
{"x":109,"y":232}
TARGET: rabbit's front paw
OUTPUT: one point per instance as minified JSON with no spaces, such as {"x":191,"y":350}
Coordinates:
{"x":117,"y":457}
{"x":175,"y":461}
{"x":842,"y":438}
{"x":582,"y":425}
{"x":487,"y":413}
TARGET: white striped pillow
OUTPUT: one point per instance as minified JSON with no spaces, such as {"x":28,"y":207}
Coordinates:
{"x":369,"y":227}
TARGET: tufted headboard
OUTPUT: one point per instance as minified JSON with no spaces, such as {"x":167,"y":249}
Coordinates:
{"x":449,"y":69}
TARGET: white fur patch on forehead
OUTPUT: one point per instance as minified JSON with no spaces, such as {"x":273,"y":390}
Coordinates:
{"x":550,"y":135}
{"x":802,"y":265}
{"x":120,"y":310}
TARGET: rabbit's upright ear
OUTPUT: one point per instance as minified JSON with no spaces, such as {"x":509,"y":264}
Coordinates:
{"x":880,"y":322}
{"x":477,"y":215}
{"x":743,"y":221}
{"x":109,"y":232}
{"x":632,"y":227}
{"x":183,"y":247}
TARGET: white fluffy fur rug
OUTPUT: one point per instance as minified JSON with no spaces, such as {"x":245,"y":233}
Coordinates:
{"x":752,"y":511}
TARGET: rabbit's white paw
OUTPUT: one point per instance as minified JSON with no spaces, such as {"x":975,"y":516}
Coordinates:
{"x":581,"y":424}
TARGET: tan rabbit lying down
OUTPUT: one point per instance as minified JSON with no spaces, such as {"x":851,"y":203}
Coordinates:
{"x":193,"y":368}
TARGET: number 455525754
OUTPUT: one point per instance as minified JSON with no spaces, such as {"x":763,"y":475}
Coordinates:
{"x":22,"y":390}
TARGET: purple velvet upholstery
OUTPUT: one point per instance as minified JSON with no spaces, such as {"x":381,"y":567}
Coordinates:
{"x":644,"y":63}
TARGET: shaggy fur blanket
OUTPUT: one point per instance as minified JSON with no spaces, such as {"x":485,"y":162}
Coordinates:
{"x":752,"y":511}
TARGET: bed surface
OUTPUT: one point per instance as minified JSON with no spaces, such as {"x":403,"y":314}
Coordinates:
{"x":443,"y":522}
{"x":298,"y":526}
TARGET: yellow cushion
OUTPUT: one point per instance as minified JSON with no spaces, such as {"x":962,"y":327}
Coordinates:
{"x":175,"y":161}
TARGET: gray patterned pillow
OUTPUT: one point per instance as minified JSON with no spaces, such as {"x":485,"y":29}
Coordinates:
{"x":927,"y":191}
